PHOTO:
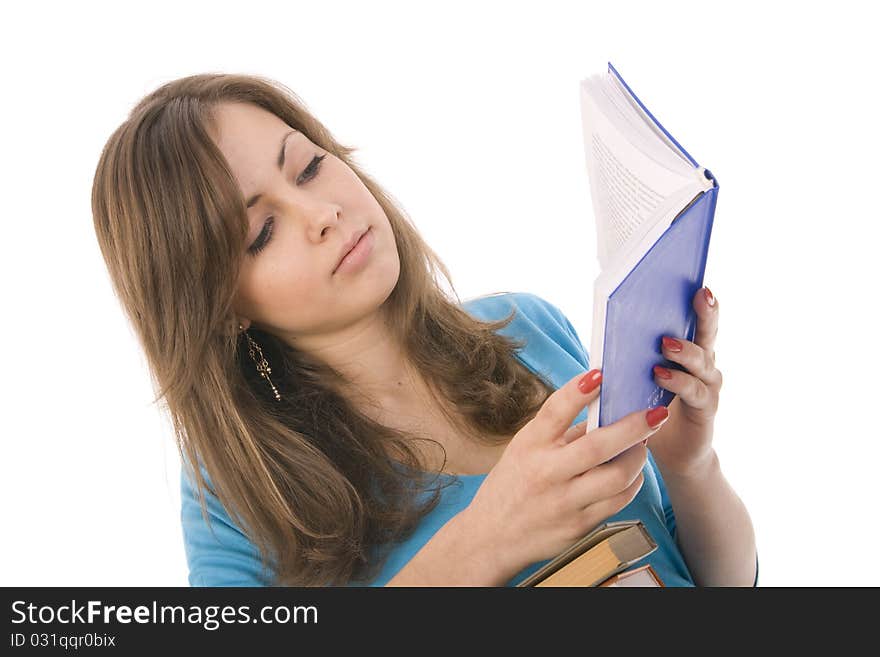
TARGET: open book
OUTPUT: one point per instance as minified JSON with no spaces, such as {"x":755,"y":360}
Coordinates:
{"x":654,"y":207}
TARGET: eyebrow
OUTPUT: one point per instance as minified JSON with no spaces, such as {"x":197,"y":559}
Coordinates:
{"x":279,"y":163}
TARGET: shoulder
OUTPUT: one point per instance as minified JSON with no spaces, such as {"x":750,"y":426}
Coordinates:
{"x":527,"y":304}
{"x":537,"y":319}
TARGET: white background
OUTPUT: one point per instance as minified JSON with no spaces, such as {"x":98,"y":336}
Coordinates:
{"x":468,"y":113}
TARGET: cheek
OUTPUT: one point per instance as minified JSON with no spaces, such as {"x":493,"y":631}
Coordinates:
{"x":278,"y":288}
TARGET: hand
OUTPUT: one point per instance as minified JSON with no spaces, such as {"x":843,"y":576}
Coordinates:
{"x":685,"y":441}
{"x":554,"y":483}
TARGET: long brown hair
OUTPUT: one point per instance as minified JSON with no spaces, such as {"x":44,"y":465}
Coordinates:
{"x":313,"y":482}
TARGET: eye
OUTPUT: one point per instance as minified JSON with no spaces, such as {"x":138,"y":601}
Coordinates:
{"x":263,"y":238}
{"x":312,"y":169}
{"x":266,"y":234}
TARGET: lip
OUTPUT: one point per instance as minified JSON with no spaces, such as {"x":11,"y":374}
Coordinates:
{"x":357,"y":244}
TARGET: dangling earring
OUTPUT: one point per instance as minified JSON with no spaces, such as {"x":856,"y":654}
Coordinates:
{"x":262,"y":364}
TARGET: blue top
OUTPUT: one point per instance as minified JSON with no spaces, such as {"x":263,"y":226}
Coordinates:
{"x":228,"y":558}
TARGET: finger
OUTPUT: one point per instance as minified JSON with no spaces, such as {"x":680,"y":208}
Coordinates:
{"x":694,"y":358}
{"x":574,"y":432}
{"x":707,"y":320}
{"x":603,"y":509}
{"x":563,"y":406}
{"x":604,"y":443}
{"x":688,"y":388}
{"x":609,"y":479}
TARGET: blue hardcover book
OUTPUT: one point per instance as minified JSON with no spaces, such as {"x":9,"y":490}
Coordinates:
{"x":654,"y":207}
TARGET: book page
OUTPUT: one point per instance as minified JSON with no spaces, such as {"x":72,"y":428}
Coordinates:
{"x":630,"y":190}
{"x":637,"y":114}
{"x":621,"y":109}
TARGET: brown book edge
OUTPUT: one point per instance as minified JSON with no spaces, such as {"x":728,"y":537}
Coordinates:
{"x":599,"y":534}
{"x":611,"y":556}
{"x":627,"y":573}
{"x":596,"y":564}
{"x":592,"y":539}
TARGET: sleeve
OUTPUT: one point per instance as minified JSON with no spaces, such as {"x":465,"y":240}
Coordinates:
{"x":583,"y":355}
{"x":668,"y":513}
{"x":573,"y":343}
{"x":218,"y":554}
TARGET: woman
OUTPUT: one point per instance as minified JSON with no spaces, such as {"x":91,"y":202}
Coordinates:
{"x":352,"y":423}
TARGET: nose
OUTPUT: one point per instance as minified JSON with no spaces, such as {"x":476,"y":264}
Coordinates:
{"x":318,"y":216}
{"x":326,"y":220}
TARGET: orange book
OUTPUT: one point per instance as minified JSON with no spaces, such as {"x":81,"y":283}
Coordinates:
{"x":606,"y":551}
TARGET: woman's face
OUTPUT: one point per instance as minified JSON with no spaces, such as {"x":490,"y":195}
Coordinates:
{"x":303,"y":217}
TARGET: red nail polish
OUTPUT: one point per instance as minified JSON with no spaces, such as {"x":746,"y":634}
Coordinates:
{"x":662,"y":372}
{"x":710,"y":298}
{"x":656,"y":416}
{"x":671,"y":343}
{"x":589,"y":381}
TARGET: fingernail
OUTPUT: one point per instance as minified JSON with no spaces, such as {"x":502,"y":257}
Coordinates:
{"x":656,"y":416}
{"x":589,"y":382}
{"x":662,"y":372}
{"x":710,"y":298}
{"x":671,"y":343}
